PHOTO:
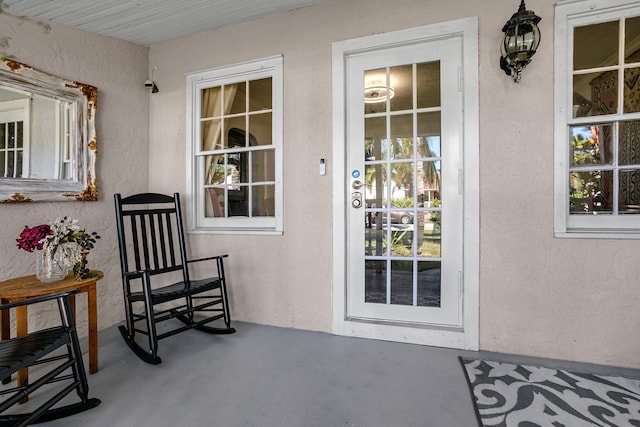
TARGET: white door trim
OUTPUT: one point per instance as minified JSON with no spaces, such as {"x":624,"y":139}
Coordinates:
{"x":466,"y":337}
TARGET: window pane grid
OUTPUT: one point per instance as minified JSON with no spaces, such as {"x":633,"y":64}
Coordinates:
{"x":11,"y":149}
{"x":603,"y":165}
{"x":229,"y":119}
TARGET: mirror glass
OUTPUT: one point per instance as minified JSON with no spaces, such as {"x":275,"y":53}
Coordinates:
{"x":47,"y":136}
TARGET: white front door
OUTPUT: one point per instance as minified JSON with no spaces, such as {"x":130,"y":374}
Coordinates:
{"x":404,"y":180}
{"x":405,"y":220}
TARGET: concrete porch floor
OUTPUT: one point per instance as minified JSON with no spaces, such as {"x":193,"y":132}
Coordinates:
{"x":276,"y":377}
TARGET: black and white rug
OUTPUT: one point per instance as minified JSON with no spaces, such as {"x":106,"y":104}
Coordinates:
{"x":528,"y":396}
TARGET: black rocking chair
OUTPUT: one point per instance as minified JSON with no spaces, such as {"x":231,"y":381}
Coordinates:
{"x":151,"y":238}
{"x":64,"y":368}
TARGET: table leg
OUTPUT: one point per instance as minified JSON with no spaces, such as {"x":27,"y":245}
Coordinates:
{"x":92,"y":308}
{"x":21,"y":330}
{"x":6,"y":322}
{"x":5,"y":334}
{"x":72,"y":301}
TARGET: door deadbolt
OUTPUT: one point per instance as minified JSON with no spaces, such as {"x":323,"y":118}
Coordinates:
{"x":356,"y":199}
{"x":357,"y":184}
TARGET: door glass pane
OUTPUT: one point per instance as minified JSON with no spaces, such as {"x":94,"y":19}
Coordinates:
{"x":374,"y":221}
{"x":399,"y":240}
{"x":429,"y":130}
{"x":428,"y":146}
{"x":402,"y":282}
{"x":429,"y":284}
{"x":428,"y":84}
{"x":401,"y":82}
{"x":401,"y":137}
{"x":429,"y":242}
{"x":595,"y":45}
{"x":375,"y":131}
{"x":429,"y":173}
{"x":375,"y":281}
{"x":402,"y":182}
{"x":373,"y":234}
{"x":376,"y":91}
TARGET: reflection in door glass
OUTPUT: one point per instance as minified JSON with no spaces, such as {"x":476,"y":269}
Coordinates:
{"x":429,"y":284}
{"x":375,"y":129}
{"x":401,"y":137}
{"x":375,"y":286}
{"x":402,"y":215}
{"x":400,"y":81}
{"x":402,"y":282}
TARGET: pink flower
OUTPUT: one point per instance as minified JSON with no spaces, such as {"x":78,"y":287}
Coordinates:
{"x":30,"y":238}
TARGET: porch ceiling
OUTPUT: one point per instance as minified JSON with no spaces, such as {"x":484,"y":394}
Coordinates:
{"x":149,"y":22}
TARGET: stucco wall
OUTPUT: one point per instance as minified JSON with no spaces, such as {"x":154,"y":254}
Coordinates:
{"x":118,"y":69}
{"x":561,"y":298}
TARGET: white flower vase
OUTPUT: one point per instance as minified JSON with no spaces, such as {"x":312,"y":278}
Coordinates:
{"x":49,"y":269}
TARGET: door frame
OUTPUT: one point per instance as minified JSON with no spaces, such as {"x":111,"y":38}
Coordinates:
{"x":466,"y":337}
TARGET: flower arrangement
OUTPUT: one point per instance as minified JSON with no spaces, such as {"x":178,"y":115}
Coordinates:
{"x":31,"y":238}
{"x":64,"y":241}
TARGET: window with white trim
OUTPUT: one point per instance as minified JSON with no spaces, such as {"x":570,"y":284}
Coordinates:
{"x":597,"y":118}
{"x":14,"y":144}
{"x":234,"y":148}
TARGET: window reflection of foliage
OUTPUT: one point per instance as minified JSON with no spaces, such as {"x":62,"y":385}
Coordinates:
{"x":586,"y":147}
{"x":583,"y":188}
{"x":400,"y":243}
{"x":401,"y":172}
{"x":215,"y":171}
{"x":405,"y":202}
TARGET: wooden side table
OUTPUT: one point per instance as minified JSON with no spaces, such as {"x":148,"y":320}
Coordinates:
{"x":25,"y":287}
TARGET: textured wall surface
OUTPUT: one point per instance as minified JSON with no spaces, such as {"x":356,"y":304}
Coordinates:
{"x":561,"y":298}
{"x":118,"y":69}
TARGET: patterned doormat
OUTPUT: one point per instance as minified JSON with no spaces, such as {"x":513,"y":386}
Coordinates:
{"x":528,"y":396}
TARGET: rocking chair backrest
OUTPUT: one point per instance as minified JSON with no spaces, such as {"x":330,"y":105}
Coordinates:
{"x":150,"y":225}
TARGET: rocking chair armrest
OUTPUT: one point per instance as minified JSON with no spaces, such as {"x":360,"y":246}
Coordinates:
{"x":36,"y":300}
{"x":208,"y":258}
{"x":135,"y":273}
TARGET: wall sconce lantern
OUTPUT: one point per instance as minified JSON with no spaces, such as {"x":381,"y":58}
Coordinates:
{"x":521,"y":39}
